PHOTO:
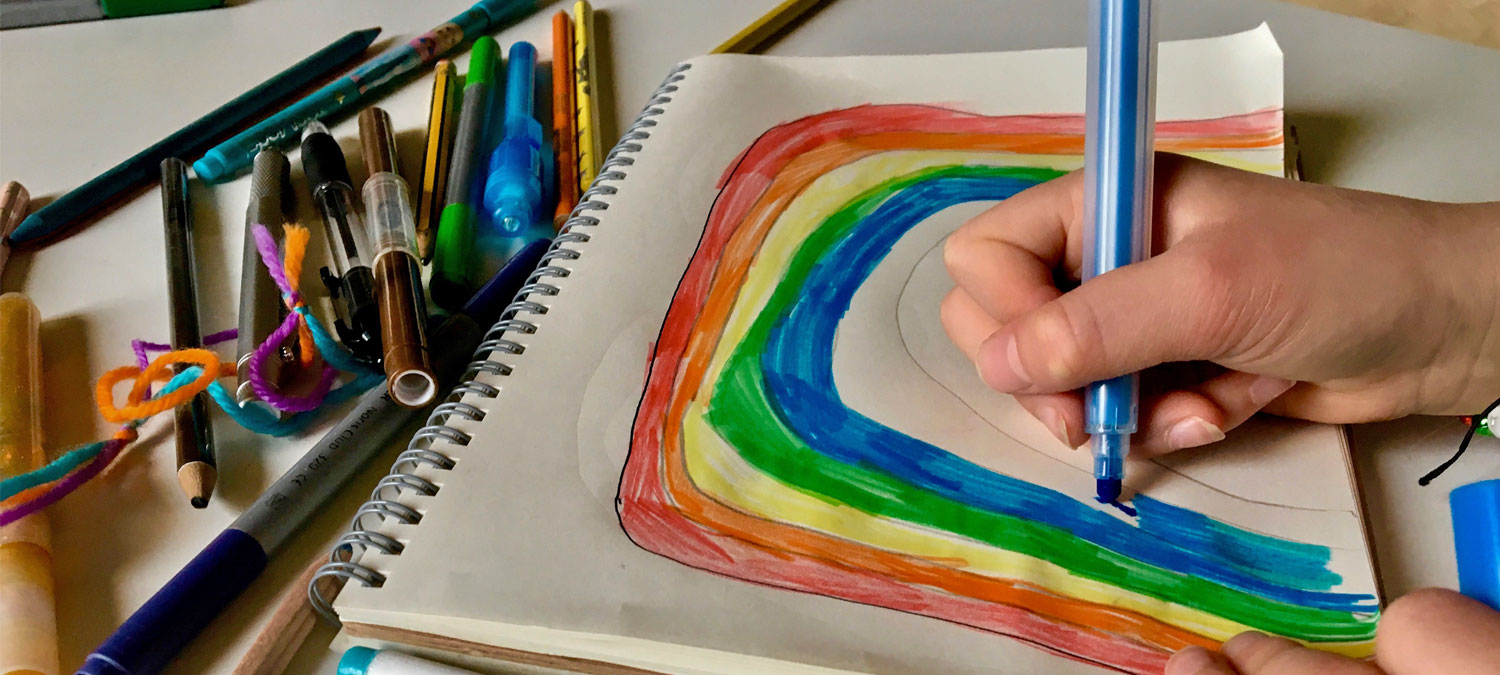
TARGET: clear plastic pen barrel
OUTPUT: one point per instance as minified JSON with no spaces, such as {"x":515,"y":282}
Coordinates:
{"x":1117,"y":204}
{"x":388,"y":205}
{"x":336,"y":204}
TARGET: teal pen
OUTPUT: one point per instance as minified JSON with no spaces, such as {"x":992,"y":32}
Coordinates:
{"x":513,"y":190}
{"x":235,"y":155}
{"x":82,"y":202}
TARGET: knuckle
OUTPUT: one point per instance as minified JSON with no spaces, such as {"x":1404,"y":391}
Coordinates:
{"x":1270,"y":655}
{"x":1064,"y":337}
{"x":958,"y":251}
{"x":1210,"y":270}
{"x":1212,"y":279}
{"x":950,"y":308}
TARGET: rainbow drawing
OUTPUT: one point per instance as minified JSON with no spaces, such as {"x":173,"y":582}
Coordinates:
{"x":745,"y":461}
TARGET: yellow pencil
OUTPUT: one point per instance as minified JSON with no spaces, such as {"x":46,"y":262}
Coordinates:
{"x":28,"y":618}
{"x":751,"y":37}
{"x":441,"y":124}
{"x":586,"y":77}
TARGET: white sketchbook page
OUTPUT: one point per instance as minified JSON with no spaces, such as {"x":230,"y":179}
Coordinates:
{"x":522,"y":548}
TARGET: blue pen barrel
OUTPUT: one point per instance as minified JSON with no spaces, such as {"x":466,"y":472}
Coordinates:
{"x":156,"y":632}
{"x":1117,"y":200}
{"x":1121,"y":134}
{"x":520,"y":80}
{"x":513,"y":188}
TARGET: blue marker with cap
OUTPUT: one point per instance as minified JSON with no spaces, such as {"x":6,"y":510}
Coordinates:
{"x":513,"y":189}
{"x":1476,"y":540}
{"x":1117,"y":200}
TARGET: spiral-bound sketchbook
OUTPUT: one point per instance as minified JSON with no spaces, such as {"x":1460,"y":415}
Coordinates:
{"x":722,"y":431}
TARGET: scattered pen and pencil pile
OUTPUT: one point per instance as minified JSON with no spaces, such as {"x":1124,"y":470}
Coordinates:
{"x":488,"y":170}
{"x":482,"y":169}
{"x":288,"y":367}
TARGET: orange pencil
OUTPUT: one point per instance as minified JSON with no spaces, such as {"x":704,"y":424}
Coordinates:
{"x":564,"y":116}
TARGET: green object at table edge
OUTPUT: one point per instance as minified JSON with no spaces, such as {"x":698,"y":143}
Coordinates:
{"x":115,"y":9}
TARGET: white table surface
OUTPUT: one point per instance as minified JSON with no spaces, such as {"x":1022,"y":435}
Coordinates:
{"x":1379,"y":109}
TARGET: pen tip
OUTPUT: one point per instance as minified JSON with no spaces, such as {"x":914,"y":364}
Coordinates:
{"x":314,"y":127}
{"x":1108,"y":489}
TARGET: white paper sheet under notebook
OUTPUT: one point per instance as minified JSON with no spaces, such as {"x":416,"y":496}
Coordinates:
{"x":794,"y":471}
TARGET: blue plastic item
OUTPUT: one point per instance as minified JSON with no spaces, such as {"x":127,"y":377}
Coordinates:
{"x":1476,"y":540}
{"x":513,"y":189}
{"x":1121,"y":125}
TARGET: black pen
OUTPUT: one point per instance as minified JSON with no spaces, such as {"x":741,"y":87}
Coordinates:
{"x":352,"y":283}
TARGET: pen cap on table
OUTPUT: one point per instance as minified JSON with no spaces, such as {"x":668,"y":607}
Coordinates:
{"x":482,"y":58}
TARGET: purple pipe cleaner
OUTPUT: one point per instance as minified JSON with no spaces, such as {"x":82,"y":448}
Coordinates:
{"x":266,"y":246}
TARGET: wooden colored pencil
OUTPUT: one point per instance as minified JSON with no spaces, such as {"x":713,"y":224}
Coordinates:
{"x":564,"y":116}
{"x":196,"y":467}
{"x":442,"y":122}
{"x":586,"y":76}
{"x":751,"y":37}
{"x":291,"y":622}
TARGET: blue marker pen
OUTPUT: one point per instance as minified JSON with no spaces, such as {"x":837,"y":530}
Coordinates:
{"x":513,"y":190}
{"x":1117,"y":200}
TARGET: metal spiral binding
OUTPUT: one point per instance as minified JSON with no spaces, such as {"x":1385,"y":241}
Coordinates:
{"x":384,"y":505}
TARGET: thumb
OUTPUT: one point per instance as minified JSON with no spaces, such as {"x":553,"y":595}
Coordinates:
{"x":1255,"y":653}
{"x":1169,"y":308}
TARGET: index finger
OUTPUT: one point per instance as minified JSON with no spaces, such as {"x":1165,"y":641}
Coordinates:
{"x":1004,"y":258}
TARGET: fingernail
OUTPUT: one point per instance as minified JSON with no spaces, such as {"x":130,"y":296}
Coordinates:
{"x":1193,"y":432}
{"x":1056,"y":423}
{"x":1192,"y":661}
{"x":1266,"y":388}
{"x":1243,"y":643}
{"x":1000,"y":365}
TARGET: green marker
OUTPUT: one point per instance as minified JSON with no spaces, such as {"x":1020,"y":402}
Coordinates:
{"x":453,"y":258}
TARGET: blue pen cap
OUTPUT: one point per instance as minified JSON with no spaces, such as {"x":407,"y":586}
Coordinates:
{"x":520,"y":80}
{"x":1476,"y":540}
{"x":356,"y":661}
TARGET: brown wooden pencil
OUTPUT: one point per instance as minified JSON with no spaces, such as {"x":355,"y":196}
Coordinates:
{"x":196,"y":469}
{"x":564,"y":117}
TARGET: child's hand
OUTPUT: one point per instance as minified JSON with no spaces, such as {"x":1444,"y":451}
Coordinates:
{"x":1303,"y":300}
{"x":1428,"y":631}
